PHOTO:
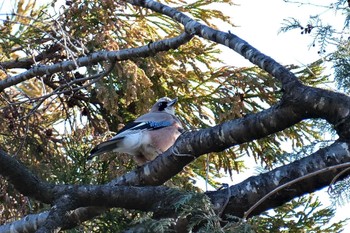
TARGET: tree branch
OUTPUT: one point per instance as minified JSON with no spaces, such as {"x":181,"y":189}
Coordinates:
{"x":23,"y":180}
{"x":124,"y":54}
{"x":245,"y":194}
{"x":26,"y":63}
{"x":230,"y":40}
{"x":242,"y":196}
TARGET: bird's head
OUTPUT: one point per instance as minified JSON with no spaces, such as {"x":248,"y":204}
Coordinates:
{"x":165,"y":104}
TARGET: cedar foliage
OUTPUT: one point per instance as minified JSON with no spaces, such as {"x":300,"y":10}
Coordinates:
{"x":51,"y":124}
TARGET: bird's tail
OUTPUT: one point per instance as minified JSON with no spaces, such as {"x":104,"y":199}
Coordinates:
{"x":102,"y":148}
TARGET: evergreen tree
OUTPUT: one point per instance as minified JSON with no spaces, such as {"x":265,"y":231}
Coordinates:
{"x":72,"y":75}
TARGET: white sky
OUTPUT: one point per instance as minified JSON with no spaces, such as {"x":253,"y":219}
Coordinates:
{"x":259,"y":22}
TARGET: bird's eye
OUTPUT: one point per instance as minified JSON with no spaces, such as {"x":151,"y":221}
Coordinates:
{"x":162,"y":106}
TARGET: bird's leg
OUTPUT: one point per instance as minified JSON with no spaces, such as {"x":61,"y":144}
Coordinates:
{"x":140,"y":160}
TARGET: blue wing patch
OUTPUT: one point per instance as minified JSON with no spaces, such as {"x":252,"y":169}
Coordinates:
{"x":150,"y":125}
{"x":160,"y":124}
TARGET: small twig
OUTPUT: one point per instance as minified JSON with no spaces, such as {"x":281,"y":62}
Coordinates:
{"x":64,"y":36}
{"x":329,"y":7}
{"x":24,"y":139}
{"x":335,"y":179}
{"x":224,"y":185}
{"x":247,"y":213}
{"x":70,"y":54}
{"x":33,"y":26}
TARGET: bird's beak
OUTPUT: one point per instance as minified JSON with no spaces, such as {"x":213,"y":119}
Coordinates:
{"x":172,"y":102}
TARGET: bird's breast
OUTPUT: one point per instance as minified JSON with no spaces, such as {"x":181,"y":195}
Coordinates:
{"x":164,"y":138}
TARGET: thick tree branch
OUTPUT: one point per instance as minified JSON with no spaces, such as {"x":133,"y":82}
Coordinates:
{"x":311,"y":102}
{"x":27,"y":224}
{"x":314,"y":102}
{"x":217,"y":138}
{"x":247,"y":193}
{"x":241,"y":196}
{"x":228,"y":39}
{"x":23,"y":180}
{"x":300,"y":179}
{"x":58,"y":215}
{"x":303,"y":103}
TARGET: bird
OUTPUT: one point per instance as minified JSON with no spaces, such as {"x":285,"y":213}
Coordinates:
{"x":147,"y":136}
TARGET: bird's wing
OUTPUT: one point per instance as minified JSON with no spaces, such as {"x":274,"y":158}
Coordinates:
{"x":127,"y":131}
{"x":158,"y":117}
{"x":136,"y":127}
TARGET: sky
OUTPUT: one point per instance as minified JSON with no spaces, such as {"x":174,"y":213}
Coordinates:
{"x":258,"y":23}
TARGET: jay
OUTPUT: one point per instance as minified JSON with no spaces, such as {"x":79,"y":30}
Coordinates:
{"x":148,"y":136}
